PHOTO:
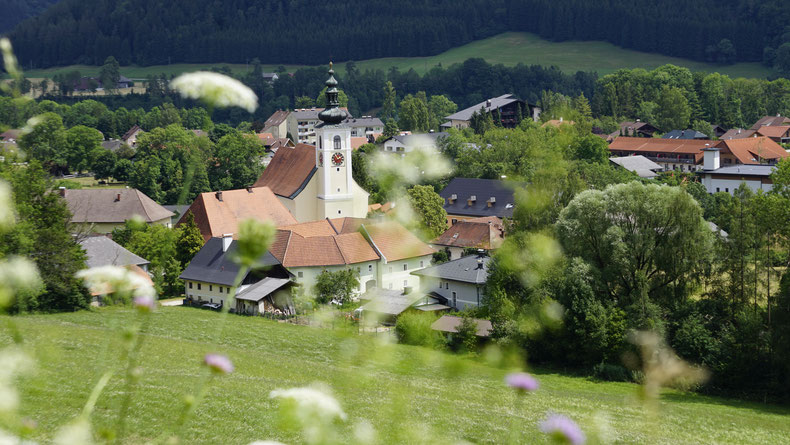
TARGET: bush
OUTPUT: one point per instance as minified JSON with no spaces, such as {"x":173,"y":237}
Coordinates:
{"x":414,"y":328}
{"x":611,"y":373}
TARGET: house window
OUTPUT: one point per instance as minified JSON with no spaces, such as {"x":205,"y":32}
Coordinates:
{"x":299,"y":274}
{"x":453,"y":221}
{"x":390,"y":269}
{"x":727,"y":189}
{"x":370,"y":268}
{"x":405,"y":267}
{"x":446,"y":285}
{"x":422,"y":263}
{"x":718,"y":190}
{"x":220,"y":289}
{"x":440,"y":284}
{"x":190,"y":285}
{"x":337,"y":142}
{"x":210,"y":288}
{"x":455,"y":297}
{"x":198,"y":286}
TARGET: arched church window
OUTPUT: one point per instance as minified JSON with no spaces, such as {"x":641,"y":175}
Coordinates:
{"x":337,"y":142}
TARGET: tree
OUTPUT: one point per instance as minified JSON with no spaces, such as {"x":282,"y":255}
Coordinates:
{"x":342,"y":97}
{"x":390,"y":128}
{"x":413,"y":114}
{"x":236,"y":162}
{"x":123,"y":169}
{"x":591,"y":148}
{"x":83,"y":146}
{"x":304,"y":102}
{"x":104,"y":165}
{"x":46,"y":140}
{"x":110,"y":74}
{"x":466,"y":335}
{"x":673,"y":109}
{"x":429,"y":206}
{"x":157,"y":244}
{"x":481,"y":121}
{"x":440,"y":107}
{"x":782,"y":59}
{"x":42,"y":234}
{"x":582,"y":105}
{"x":642,"y":241}
{"x":189,"y":241}
{"x":338,"y":286}
{"x":388,"y":105}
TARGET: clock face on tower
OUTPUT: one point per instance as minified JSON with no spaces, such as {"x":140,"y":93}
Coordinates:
{"x":337,"y":159}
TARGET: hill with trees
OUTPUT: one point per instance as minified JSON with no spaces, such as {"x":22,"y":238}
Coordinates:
{"x":15,"y":11}
{"x":143,"y":32}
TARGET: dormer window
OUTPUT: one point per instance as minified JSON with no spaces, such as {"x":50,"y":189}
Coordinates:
{"x":337,"y":142}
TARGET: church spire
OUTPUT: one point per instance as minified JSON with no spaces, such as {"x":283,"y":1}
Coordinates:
{"x":332,"y":114}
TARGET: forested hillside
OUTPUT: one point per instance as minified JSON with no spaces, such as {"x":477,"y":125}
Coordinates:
{"x":14,"y":11}
{"x":149,"y":32}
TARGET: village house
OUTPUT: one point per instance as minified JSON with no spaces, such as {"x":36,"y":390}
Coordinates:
{"x":717,"y":178}
{"x":270,"y":77}
{"x":218,"y":213}
{"x":643,"y":167}
{"x":467,"y":198}
{"x":103,"y":210}
{"x":277,"y":124}
{"x":672,"y":154}
{"x":102,"y":251}
{"x":634,"y":129}
{"x":777,"y":133}
{"x":210,"y":276}
{"x":685,"y":134}
{"x":771,"y":121}
{"x":486,"y":233}
{"x":130,"y":137}
{"x":405,"y":143}
{"x":460,"y":282}
{"x":384,"y":305}
{"x":506,"y":107}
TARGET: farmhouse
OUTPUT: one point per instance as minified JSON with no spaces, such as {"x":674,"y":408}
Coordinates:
{"x":505,"y":108}
{"x":466,"y":198}
{"x":218,"y":213}
{"x":405,"y":143}
{"x":635,"y":129}
{"x":102,"y":210}
{"x":277,"y":124}
{"x":130,"y":137}
{"x":486,"y":233}
{"x":717,"y":178}
{"x":461,"y":282}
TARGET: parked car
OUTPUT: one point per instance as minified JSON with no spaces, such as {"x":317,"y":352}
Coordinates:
{"x":214,"y":306}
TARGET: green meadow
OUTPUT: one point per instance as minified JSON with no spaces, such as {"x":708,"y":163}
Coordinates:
{"x":408,"y":394}
{"x":508,"y":48}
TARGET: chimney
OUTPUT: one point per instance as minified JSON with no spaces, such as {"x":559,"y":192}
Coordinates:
{"x":117,"y":197}
{"x":471,"y":200}
{"x":452,"y":198}
{"x":488,"y":103}
{"x":249,"y":189}
{"x":712,"y":159}
{"x":479,"y":261}
{"x":227,"y":238}
{"x":62,"y":191}
{"x":219,"y":196}
{"x":491,"y":201}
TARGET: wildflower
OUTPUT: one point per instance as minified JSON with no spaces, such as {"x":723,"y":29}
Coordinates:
{"x":13,"y":362}
{"x":563,"y":430}
{"x":521,"y":381}
{"x":17,"y":274}
{"x":216,"y":89}
{"x":75,"y":433}
{"x":144,"y":303}
{"x":254,"y":240}
{"x":219,"y":364}
{"x":311,"y":403}
{"x":7,"y":217}
{"x":662,"y":366}
{"x":31,"y":124}
{"x":9,"y":60}
{"x":115,"y":280}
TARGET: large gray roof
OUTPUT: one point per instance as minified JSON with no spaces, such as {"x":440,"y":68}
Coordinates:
{"x":364,"y":122}
{"x":483,"y":190}
{"x":212,"y":265}
{"x":496,"y":102}
{"x":466,"y":269}
{"x":390,"y":302}
{"x":102,"y":251}
{"x":685,"y":134}
{"x":112,"y":206}
{"x":639,"y":164}
{"x":745,"y":170}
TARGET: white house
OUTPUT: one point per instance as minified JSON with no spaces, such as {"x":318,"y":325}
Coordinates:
{"x":727,"y":179}
{"x":460,"y":282}
{"x":405,"y":143}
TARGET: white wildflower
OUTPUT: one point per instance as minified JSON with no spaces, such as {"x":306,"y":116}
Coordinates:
{"x":31,"y":124}
{"x":364,"y":432}
{"x":310,"y":403}
{"x":7,"y":438}
{"x":113,"y":279}
{"x":419,"y":165}
{"x":7,"y":216}
{"x":74,"y":433}
{"x":216,"y":89}
{"x":9,"y":60}
{"x":17,"y":274}
{"x":13,"y":361}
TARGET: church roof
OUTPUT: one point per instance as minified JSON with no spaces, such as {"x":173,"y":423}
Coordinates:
{"x":289,"y":171}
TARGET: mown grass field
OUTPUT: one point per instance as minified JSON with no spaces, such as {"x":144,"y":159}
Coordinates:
{"x":407,"y":393}
{"x":508,"y":48}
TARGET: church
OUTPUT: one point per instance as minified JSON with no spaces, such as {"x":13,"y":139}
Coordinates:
{"x":315,"y":182}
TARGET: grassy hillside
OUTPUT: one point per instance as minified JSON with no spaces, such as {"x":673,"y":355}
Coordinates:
{"x":436,"y":395}
{"x":509,"y":49}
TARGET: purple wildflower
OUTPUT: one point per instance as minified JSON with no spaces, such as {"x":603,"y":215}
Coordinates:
{"x":521,"y":381}
{"x":144,"y":303}
{"x":218,"y":363}
{"x":563,"y":429}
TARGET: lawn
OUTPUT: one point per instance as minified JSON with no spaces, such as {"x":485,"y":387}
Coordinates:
{"x":508,"y":48}
{"x":408,"y":394}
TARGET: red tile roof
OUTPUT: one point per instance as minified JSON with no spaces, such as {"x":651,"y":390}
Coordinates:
{"x":481,"y":233}
{"x":752,"y":150}
{"x":277,"y":118}
{"x":778,"y":131}
{"x":395,"y":242}
{"x":216,"y":218}
{"x":655,"y":145}
{"x":289,"y":170}
{"x":771,"y":120}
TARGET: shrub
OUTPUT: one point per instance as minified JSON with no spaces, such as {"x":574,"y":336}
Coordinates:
{"x":414,"y":328}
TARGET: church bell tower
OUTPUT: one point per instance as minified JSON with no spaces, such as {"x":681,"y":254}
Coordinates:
{"x":333,"y":157}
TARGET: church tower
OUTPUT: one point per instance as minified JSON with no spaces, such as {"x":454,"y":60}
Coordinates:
{"x":336,"y":186}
